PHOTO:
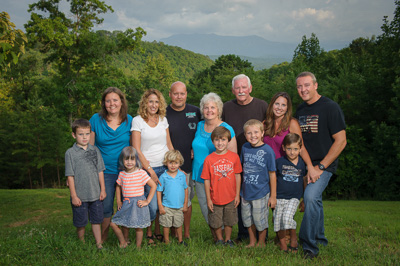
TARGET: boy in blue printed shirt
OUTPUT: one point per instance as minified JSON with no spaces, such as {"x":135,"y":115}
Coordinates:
{"x":84,"y":168}
{"x":174,"y":194}
{"x":259,"y":182}
{"x":290,"y":171}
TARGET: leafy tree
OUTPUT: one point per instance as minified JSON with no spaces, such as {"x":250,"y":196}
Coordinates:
{"x":309,"y":49}
{"x":12,"y":42}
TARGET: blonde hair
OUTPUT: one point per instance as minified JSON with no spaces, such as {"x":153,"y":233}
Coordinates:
{"x":162,"y":107}
{"x":253,"y":122}
{"x":173,"y":156}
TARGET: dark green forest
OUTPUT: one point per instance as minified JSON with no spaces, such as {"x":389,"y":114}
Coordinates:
{"x":55,"y":70}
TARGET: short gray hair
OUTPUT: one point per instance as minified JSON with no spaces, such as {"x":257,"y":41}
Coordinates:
{"x":211,"y":97}
{"x":241,"y":76}
{"x":307,"y":74}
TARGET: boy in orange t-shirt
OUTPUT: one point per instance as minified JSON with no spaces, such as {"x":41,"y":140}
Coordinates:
{"x":221,"y":174}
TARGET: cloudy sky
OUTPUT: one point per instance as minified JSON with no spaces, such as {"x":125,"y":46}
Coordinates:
{"x":274,"y":20}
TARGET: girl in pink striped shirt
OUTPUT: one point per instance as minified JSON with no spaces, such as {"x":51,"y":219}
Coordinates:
{"x":133,"y":211}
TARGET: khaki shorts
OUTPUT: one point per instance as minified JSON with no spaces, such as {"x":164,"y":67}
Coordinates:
{"x":223,"y":215}
{"x":172,"y":217}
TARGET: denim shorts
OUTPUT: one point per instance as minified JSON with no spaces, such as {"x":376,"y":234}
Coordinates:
{"x":92,"y":210}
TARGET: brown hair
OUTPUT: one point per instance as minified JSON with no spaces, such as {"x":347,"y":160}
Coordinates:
{"x":220,"y":132}
{"x":123,"y":113}
{"x":80,"y":123}
{"x":269,"y":122}
{"x":253,"y":122}
{"x":162,"y":108}
{"x":292,"y":138}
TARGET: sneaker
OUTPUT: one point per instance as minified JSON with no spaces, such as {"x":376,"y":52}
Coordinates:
{"x":230,"y":243}
{"x":183,"y":243}
{"x":219,"y":242}
{"x":309,"y":255}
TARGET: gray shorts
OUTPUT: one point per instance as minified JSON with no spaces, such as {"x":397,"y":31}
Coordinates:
{"x":284,"y":214}
{"x":172,"y":217}
{"x":255,"y":212}
{"x":223,"y":215}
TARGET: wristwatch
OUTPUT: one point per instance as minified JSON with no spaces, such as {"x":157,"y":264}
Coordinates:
{"x":321,"y":166}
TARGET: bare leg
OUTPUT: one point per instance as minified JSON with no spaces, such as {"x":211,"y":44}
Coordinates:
{"x":228,"y":232}
{"x":214,"y":235}
{"x":166,"y":235}
{"x":187,"y":216}
{"x":157,"y":230}
{"x":282,"y":240}
{"x":139,"y":237}
{"x":173,"y":232}
{"x":149,"y":233}
{"x":252,"y":236}
{"x":105,"y":226}
{"x":80,"y":231}
{"x":293,"y":239}
{"x":179,"y":233}
{"x":218,"y":233}
{"x":96,"y":229}
{"x":261,"y":238}
{"x":125,"y":232}
{"x":119,"y":234}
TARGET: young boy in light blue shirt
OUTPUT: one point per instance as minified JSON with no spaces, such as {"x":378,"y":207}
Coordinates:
{"x":172,"y":195}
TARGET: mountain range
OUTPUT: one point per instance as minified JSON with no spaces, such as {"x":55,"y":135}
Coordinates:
{"x":261,"y":52}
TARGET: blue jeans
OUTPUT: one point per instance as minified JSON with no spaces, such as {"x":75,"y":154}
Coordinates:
{"x":312,"y":227}
{"x":110,"y":182}
{"x":153,"y":206}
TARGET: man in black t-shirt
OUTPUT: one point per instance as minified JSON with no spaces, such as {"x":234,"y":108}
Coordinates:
{"x":323,"y":128}
{"x":182,"y":120}
{"x":236,"y":113}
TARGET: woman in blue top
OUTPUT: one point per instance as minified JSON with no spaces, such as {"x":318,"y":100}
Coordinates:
{"x":211,"y":110}
{"x":111,"y":133}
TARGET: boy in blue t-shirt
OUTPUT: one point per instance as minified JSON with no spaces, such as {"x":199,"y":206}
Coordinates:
{"x":258,"y":190}
{"x":290,"y":171}
{"x":174,"y":194}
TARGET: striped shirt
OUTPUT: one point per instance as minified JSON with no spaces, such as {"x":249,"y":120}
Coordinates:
{"x":132,"y":184}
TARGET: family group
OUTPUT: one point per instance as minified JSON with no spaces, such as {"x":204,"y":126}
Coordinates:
{"x":241,"y":158}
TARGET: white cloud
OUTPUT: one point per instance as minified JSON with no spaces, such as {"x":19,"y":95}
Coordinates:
{"x":319,"y":15}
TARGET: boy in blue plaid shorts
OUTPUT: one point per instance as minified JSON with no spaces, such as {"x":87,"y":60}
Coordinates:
{"x":290,"y":170}
{"x":258,"y":190}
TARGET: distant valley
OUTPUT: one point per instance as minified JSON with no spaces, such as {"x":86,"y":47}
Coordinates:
{"x":260,"y":52}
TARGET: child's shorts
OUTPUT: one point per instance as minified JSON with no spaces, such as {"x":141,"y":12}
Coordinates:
{"x":256,"y":212}
{"x":172,"y":217}
{"x":92,"y":210}
{"x":223,"y":215}
{"x":284,"y":213}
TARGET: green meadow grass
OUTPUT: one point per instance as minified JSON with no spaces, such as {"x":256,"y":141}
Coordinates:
{"x":36,"y":229}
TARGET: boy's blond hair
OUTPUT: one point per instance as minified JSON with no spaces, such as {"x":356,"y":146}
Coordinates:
{"x":220,"y":132}
{"x":173,"y":156}
{"x":253,"y":122}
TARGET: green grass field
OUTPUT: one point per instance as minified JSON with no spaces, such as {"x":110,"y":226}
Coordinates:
{"x":37,"y":230}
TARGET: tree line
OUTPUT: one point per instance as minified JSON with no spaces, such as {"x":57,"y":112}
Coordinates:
{"x":64,"y":70}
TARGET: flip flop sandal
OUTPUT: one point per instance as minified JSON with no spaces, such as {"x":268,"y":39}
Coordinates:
{"x":159,"y":237}
{"x":150,"y":240}
{"x":293,"y":249}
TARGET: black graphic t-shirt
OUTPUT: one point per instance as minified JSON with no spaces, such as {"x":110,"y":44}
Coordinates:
{"x":318,"y":122}
{"x":182,"y":129}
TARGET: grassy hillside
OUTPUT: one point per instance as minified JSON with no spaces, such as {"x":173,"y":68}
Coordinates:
{"x":37,"y":230}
